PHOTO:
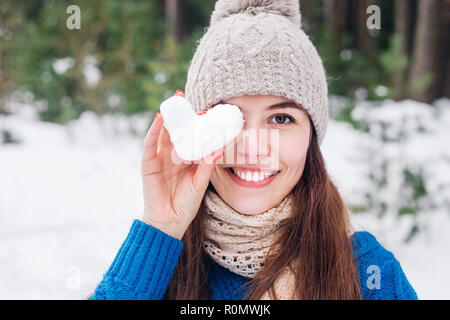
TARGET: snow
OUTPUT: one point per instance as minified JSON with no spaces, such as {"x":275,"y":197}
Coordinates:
{"x":68,"y":195}
{"x":91,"y":72}
{"x":350,"y":156}
{"x":63,"y":64}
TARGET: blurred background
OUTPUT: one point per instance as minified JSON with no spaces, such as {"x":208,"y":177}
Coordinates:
{"x":78,"y":96}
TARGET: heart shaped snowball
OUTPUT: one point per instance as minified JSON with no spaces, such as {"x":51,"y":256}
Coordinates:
{"x":196,"y":136}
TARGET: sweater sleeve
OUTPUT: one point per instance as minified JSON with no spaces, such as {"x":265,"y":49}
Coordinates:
{"x":143,"y":266}
{"x":393,"y":285}
{"x":403,"y":289}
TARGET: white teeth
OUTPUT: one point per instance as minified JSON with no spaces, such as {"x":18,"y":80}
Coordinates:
{"x":254,"y":176}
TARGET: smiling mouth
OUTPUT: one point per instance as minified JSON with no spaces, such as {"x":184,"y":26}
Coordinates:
{"x":252,"y":175}
{"x":251,"y":178}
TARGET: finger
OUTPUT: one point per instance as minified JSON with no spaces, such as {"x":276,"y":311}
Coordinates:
{"x":204,"y":170}
{"x":213,"y":157}
{"x":164,"y":139}
{"x":151,"y":139}
{"x":170,"y":160}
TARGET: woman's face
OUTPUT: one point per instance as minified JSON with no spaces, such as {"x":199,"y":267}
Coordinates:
{"x":274,"y":138}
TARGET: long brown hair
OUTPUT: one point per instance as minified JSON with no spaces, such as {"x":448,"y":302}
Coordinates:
{"x":315,"y":241}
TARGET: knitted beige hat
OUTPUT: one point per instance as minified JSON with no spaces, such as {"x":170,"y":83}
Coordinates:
{"x":257,"y":47}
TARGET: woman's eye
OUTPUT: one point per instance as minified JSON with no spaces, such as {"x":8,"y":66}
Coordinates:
{"x":281,"y":119}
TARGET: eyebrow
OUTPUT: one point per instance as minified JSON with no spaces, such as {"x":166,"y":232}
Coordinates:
{"x":281,"y":105}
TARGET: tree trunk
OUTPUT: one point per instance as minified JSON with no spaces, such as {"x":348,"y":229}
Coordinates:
{"x":402,"y":30}
{"x":174,"y":19}
{"x":428,"y":60}
{"x":446,"y":92}
{"x":446,"y":54}
{"x":336,"y":12}
{"x":359,"y":20}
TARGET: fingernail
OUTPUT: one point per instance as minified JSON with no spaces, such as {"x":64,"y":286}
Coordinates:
{"x":179,"y":93}
{"x":219,"y":156}
{"x":156,"y":115}
{"x":203,"y":112}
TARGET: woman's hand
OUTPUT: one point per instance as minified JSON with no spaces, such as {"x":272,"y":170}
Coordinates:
{"x":173,"y":191}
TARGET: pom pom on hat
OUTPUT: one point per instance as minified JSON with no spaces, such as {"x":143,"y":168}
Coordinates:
{"x":287,"y":8}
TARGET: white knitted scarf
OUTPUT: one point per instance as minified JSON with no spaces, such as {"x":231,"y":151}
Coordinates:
{"x":240,"y":242}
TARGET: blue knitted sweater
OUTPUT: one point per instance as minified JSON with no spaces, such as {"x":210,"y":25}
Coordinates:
{"x":147,"y":258}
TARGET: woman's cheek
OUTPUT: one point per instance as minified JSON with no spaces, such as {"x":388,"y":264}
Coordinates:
{"x":293,"y":149}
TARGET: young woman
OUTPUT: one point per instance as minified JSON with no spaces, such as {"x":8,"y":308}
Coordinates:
{"x":234,"y":228}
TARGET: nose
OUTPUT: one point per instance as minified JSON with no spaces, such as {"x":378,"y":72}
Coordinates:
{"x":253,"y":146}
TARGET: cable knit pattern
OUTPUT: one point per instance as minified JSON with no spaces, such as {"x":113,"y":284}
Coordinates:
{"x":257,"y":47}
{"x":237,"y":241}
{"x":240,"y":243}
{"x":147,"y":259}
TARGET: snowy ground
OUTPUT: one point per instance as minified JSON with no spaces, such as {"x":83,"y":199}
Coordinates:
{"x":68,"y":195}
